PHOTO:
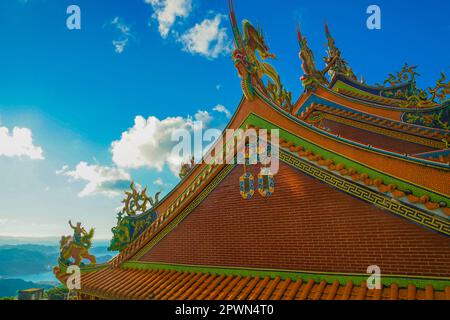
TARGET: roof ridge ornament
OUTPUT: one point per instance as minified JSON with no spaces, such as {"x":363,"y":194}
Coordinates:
{"x":406,"y":74}
{"x":441,"y":90}
{"x":311,"y":75}
{"x":334,"y":62}
{"x":251,"y":68}
{"x":186,"y":167}
{"x":413,"y":96}
{"x":73,"y":249}
{"x":134,"y":218}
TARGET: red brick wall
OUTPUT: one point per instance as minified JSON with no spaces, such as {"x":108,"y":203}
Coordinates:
{"x":375,"y":139}
{"x":305,"y":225}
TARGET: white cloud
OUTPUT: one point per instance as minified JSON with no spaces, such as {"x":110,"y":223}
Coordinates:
{"x":207,"y":39}
{"x":104,"y":180}
{"x":222,"y":109}
{"x":203,"y":116}
{"x":167,"y":11}
{"x":158,"y":182}
{"x":125,"y":35}
{"x":148,"y":143}
{"x":63,"y":169}
{"x":120,"y":45}
{"x":19,"y":143}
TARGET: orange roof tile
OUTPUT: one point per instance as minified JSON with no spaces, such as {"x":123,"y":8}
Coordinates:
{"x":120,"y":283}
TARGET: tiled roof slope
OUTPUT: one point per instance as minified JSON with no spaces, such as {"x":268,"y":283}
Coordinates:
{"x":119,"y":283}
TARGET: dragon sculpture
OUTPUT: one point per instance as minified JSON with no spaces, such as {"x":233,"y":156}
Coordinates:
{"x":311,"y":75}
{"x":403,"y":87}
{"x":133,"y":218}
{"x":407,"y":73}
{"x":414,"y":97}
{"x":252,"y":68}
{"x":186,"y":167}
{"x":441,"y":90}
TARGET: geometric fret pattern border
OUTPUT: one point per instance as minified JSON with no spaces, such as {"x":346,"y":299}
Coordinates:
{"x":380,"y":200}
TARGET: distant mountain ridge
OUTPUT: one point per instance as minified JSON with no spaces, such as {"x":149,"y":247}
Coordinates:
{"x":26,"y":259}
{"x":6,"y":240}
{"x":34,"y":261}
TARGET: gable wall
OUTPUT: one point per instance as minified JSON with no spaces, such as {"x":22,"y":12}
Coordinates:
{"x":305,"y":225}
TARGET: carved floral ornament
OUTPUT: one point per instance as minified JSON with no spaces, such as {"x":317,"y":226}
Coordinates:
{"x":137,"y":202}
{"x":413,"y":96}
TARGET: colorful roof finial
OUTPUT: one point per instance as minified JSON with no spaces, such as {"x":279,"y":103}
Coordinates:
{"x":299,"y":36}
{"x":252,"y":67}
{"x":327,"y":33}
{"x":335,"y":64}
{"x":311,"y":76}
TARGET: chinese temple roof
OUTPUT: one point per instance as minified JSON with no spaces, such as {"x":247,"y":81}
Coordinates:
{"x":385,"y":145}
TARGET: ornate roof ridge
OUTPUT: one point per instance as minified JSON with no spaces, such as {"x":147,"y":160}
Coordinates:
{"x":417,"y":130}
{"x":435,"y":118}
{"x":424,"y":108}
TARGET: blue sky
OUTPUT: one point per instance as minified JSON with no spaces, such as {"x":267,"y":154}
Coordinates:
{"x":84,"y":111}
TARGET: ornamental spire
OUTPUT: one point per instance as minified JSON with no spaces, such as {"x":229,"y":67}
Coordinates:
{"x":311,"y":76}
{"x":335,"y":64}
{"x":250,"y":57}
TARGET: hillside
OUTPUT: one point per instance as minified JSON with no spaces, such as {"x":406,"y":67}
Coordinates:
{"x":9,"y":287}
{"x":29,"y":265}
{"x":26,"y":259}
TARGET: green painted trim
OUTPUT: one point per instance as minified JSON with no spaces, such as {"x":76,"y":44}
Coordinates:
{"x":403,"y":185}
{"x":401,"y":280}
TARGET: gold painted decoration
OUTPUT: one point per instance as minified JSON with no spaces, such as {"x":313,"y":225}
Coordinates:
{"x":134,"y":218}
{"x":246,"y":184}
{"x":266,"y":183}
{"x":441,"y":90}
{"x":412,"y":96}
{"x":137,"y":202}
{"x":407,"y":73}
